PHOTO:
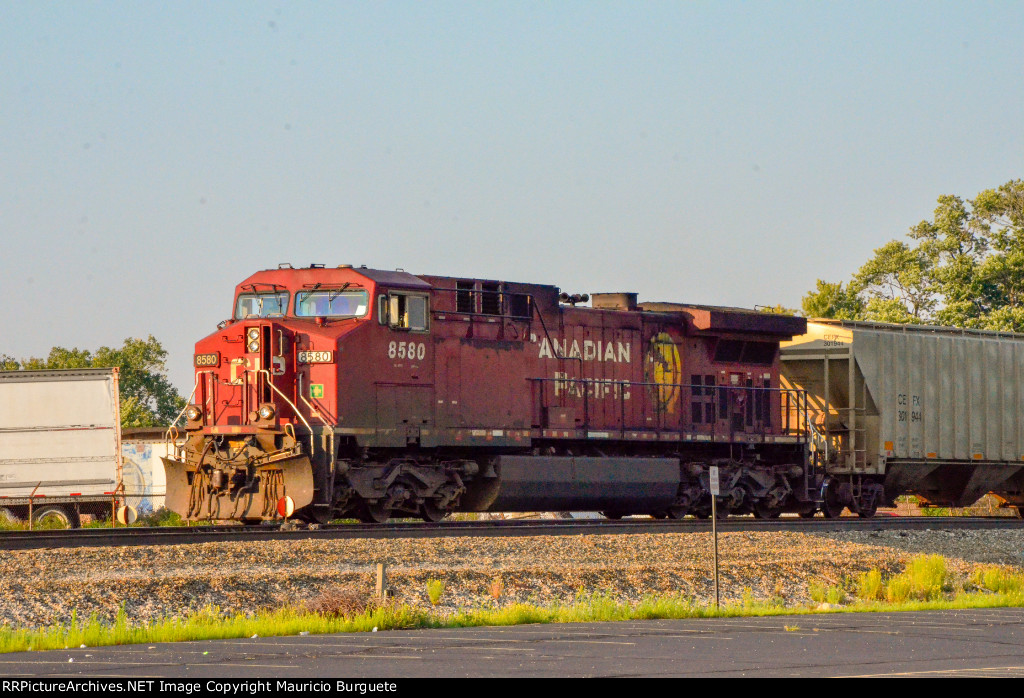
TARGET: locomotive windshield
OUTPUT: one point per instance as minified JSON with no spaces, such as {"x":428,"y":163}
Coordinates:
{"x":261,"y":305}
{"x":331,"y":303}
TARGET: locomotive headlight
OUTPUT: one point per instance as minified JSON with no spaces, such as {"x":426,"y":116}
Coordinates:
{"x":193,"y":413}
{"x":254,"y":346}
{"x":266,"y":412}
{"x":253,"y":335}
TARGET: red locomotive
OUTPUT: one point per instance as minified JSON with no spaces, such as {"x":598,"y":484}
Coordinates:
{"x":355,"y":392}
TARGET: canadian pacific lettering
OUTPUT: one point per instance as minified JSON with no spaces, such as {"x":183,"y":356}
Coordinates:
{"x":608,"y":352}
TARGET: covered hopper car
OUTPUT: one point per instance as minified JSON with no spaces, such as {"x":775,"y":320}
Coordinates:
{"x":355,"y":392}
{"x":933,"y":411}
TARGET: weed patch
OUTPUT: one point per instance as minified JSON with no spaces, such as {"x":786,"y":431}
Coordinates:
{"x":869,"y":586}
{"x":435,"y":590}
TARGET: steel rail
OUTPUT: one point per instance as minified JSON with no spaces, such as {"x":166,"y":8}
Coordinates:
{"x":106,"y":537}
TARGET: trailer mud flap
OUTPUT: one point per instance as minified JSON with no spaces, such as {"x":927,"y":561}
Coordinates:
{"x":257,"y":500}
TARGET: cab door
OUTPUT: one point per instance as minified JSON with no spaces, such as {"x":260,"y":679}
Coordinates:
{"x":405,"y":394}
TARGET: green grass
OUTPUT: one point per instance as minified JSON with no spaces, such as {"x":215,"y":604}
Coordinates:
{"x":47,"y":523}
{"x":7,"y":524}
{"x":925,"y":584}
{"x":160,"y":517}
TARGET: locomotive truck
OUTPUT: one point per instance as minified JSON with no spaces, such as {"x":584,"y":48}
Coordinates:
{"x":354,"y":392}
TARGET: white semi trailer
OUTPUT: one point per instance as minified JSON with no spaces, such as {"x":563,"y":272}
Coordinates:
{"x":60,"y":444}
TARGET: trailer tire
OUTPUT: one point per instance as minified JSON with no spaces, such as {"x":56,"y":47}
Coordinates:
{"x":65,"y":516}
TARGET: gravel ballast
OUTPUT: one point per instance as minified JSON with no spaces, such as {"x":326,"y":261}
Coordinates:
{"x":43,"y":587}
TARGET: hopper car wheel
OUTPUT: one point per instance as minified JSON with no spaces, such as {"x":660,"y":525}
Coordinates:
{"x":808,"y":514}
{"x":375,"y":513}
{"x":613,"y":515}
{"x":868,"y":512}
{"x":660,"y":514}
{"x":831,"y":505}
{"x":54,"y":517}
{"x":830,"y":509}
{"x":431,"y":513}
{"x":678,"y":512}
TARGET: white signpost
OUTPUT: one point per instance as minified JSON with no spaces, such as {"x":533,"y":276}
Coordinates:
{"x":713,"y":477}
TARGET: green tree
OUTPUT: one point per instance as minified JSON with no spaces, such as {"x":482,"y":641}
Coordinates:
{"x":833,"y":301}
{"x":964,"y":267}
{"x":147,"y":397}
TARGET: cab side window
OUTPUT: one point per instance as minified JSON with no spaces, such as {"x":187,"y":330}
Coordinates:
{"x":405,"y":311}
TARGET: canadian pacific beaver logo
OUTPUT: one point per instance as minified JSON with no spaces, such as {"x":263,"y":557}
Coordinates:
{"x":664,"y":368}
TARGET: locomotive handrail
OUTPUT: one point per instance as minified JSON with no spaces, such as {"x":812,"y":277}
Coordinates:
{"x":315,"y":410}
{"x":168,"y":439}
{"x":291,"y":404}
{"x":791,"y":395}
{"x":189,"y":400}
{"x":551,"y":342}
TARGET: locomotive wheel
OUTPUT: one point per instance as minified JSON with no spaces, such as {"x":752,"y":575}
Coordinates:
{"x":613,"y":515}
{"x":431,"y":513}
{"x":660,"y":514}
{"x":763,"y":511}
{"x":808,"y":514}
{"x":375,"y":513}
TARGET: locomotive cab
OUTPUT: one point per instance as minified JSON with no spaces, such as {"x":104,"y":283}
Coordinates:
{"x":258,"y":419}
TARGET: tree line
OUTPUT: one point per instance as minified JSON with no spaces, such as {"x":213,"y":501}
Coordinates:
{"x":962,"y":268}
{"x":147,"y":397}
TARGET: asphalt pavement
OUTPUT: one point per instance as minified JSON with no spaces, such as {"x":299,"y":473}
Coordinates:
{"x":972,"y":643}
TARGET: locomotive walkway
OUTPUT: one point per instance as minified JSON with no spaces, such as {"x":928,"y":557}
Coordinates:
{"x":106,"y":537}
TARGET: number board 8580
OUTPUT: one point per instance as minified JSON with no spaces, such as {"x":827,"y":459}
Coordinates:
{"x":407,"y":350}
{"x":315,"y":357}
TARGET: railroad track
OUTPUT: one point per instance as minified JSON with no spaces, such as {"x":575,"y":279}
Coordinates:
{"x":106,"y":537}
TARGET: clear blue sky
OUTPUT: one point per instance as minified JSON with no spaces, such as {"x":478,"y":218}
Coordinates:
{"x":154,"y":154}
